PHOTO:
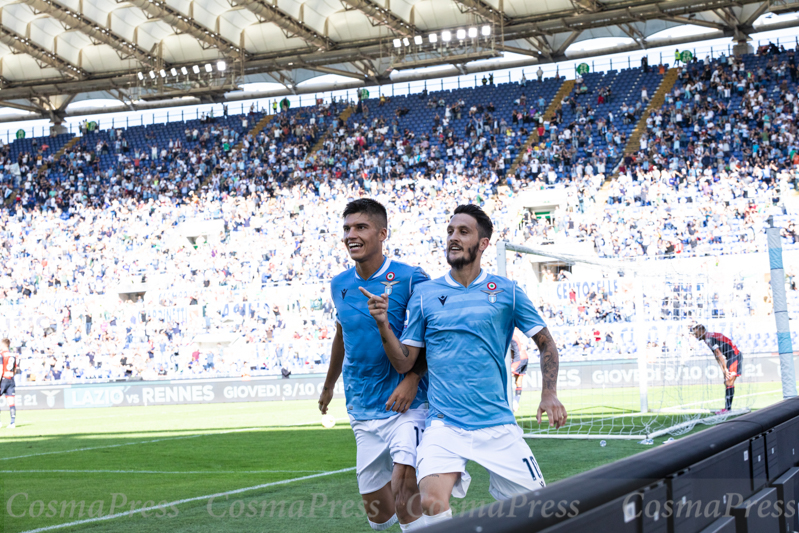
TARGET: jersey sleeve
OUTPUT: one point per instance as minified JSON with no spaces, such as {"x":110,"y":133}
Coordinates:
{"x":525,"y":315}
{"x":418,"y":276}
{"x":413,"y":334}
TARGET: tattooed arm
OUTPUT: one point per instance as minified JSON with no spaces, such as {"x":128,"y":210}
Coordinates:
{"x":549,"y":359}
{"x":550,"y":363}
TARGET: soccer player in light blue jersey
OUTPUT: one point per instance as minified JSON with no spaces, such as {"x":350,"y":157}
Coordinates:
{"x":465,"y":322}
{"x":387,"y":409}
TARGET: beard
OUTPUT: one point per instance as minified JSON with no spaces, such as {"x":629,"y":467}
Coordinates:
{"x":467,"y":258}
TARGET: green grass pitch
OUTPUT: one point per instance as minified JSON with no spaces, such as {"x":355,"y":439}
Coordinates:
{"x":616,"y":411}
{"x":140,"y":457}
{"x":144,"y":456}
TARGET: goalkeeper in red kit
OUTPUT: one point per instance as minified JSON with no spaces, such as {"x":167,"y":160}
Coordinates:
{"x":728,"y":356}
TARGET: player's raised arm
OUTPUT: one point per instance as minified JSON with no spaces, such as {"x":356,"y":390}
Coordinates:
{"x":402,"y":357}
{"x":333,"y":371}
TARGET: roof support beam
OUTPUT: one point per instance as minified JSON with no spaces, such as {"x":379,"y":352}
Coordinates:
{"x":542,"y":47}
{"x":592,"y":6}
{"x":696,"y":22}
{"x":634,"y":34}
{"x":756,"y":15}
{"x":482,"y":8}
{"x":267,"y":12}
{"x":520,"y":51}
{"x":741,"y":29}
{"x":382,"y":17}
{"x":22,"y":107}
{"x":633,"y":11}
{"x":336,"y":71}
{"x":541,"y":44}
{"x":567,"y":43}
{"x":284,"y":80}
{"x":618,"y":17}
{"x":184,"y":24}
{"x":77,"y":21}
{"x":44,"y":57}
{"x":541,"y":32}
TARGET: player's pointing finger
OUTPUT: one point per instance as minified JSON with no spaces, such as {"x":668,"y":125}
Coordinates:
{"x":366,"y":293}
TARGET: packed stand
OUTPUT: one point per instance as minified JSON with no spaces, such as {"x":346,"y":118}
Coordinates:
{"x":251,"y":298}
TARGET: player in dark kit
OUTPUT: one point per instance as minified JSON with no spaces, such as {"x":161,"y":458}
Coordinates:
{"x":729,"y":357}
{"x":8,"y":366}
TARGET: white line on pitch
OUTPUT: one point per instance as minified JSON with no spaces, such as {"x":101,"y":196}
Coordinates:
{"x":149,"y":413}
{"x":205,"y":472}
{"x":187,"y":500}
{"x":156,"y":440}
{"x":100,"y":447}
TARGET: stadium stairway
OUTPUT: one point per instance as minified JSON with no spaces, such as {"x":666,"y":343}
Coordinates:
{"x":53,"y":142}
{"x":260,"y":125}
{"x":72,"y":142}
{"x":342,"y":119}
{"x":565,"y":88}
{"x":656,"y":102}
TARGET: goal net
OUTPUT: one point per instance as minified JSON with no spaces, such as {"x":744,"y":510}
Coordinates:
{"x":630,"y":367}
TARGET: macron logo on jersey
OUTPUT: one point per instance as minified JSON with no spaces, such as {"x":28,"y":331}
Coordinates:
{"x":343,"y":293}
{"x":442,"y":299}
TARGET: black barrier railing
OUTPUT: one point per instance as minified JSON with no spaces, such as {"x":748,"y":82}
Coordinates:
{"x":738,"y":476}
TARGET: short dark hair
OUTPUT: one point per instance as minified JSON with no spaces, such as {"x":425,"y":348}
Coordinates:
{"x":6,"y":342}
{"x":369,"y":207}
{"x":485,"y":228}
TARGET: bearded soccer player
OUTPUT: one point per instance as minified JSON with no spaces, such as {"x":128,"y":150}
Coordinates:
{"x":8,"y":363}
{"x":387,"y":409}
{"x":729,"y":358}
{"x":465,"y":322}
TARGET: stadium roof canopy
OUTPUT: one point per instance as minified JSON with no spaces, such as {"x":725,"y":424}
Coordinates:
{"x":55,"y":52}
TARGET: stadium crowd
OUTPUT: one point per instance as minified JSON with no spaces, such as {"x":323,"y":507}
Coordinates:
{"x":91,"y":254}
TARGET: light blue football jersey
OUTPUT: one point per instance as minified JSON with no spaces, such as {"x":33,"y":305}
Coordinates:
{"x":369,"y":378}
{"x":466,"y":332}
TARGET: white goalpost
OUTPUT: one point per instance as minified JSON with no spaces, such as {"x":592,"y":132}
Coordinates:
{"x":637,"y":373}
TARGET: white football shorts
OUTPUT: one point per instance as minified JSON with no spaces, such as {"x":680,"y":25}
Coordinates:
{"x":499,"y":449}
{"x":384,"y":442}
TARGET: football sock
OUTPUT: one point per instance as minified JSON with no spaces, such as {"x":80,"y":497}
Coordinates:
{"x":440,"y":517}
{"x":13,"y":410}
{"x":419,"y":523}
{"x":728,"y":397}
{"x":518,"y":393}
{"x":385,"y":525}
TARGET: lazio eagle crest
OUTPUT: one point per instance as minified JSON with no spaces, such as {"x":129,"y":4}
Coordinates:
{"x":492,"y":292}
{"x":390,"y":282}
